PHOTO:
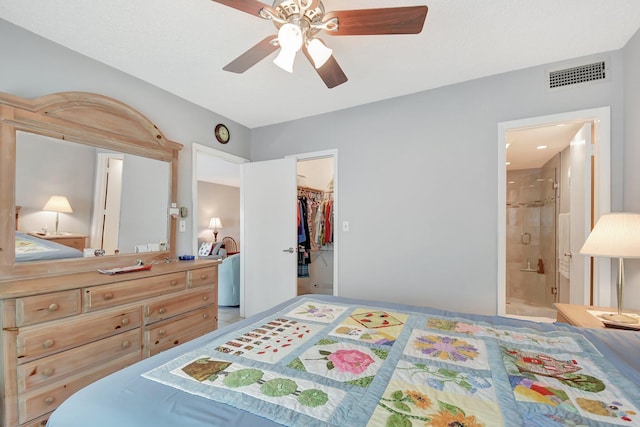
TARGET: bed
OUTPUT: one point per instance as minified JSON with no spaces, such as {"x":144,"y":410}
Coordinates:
{"x":31,"y":248}
{"x":331,"y":361}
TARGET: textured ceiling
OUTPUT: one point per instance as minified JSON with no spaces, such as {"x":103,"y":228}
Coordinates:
{"x":182,"y":45}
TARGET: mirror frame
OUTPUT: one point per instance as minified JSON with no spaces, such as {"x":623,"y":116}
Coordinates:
{"x":89,"y":119}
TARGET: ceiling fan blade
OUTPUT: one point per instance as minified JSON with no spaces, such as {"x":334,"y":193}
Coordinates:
{"x":392,"y":20}
{"x":252,"y":7}
{"x":254,"y":55}
{"x":330,"y":72}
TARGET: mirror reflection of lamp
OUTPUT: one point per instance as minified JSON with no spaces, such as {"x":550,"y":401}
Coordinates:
{"x":616,"y":235}
{"x":215,"y":224}
{"x":58,"y":204}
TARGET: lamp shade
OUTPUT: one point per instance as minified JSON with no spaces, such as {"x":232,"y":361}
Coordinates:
{"x":290,"y":40}
{"x":319,"y":52}
{"x":215,"y":223}
{"x":616,"y":235}
{"x":58,"y":204}
{"x":285,"y":59}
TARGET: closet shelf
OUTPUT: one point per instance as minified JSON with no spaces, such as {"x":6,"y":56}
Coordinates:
{"x":313,"y":190}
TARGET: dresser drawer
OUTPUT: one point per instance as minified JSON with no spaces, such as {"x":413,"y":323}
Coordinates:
{"x":174,"y":305}
{"x":168,"y":331}
{"x":43,"y":308}
{"x":103,"y":296}
{"x":203,"y":276}
{"x":178,"y":339}
{"x":38,"y":422}
{"x":48,"y":370}
{"x":45,"y":399}
{"x":41,"y":340}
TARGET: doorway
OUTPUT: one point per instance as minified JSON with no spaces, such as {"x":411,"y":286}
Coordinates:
{"x":316,"y":229}
{"x":270,"y":258}
{"x":216,"y":195}
{"x":531,"y":203}
{"x":256,"y":267}
{"x":105,"y":224}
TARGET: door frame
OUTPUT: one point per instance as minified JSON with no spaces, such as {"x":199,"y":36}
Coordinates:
{"x":333,"y":153}
{"x":100,"y":187}
{"x":602,"y":194}
{"x":197,"y":149}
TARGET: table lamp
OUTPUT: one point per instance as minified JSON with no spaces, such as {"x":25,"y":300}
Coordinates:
{"x":615,"y":235}
{"x":58,"y":204}
{"x":215,"y":224}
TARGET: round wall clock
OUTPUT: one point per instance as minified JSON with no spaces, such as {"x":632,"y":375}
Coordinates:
{"x":222,"y":134}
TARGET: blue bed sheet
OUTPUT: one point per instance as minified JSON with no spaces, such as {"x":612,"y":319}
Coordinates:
{"x":30,"y":248}
{"x":146,"y":395}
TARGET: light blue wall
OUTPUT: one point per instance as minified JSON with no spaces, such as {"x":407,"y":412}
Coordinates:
{"x":32,"y":66}
{"x":418,"y":174}
{"x":418,"y":181}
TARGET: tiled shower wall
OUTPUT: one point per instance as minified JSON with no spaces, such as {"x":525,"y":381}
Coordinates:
{"x":531,"y":208}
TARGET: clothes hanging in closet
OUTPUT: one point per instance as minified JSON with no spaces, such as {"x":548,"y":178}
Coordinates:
{"x":304,"y":239}
{"x":315,"y":226}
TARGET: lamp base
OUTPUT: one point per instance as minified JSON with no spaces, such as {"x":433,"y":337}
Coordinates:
{"x":619,"y":318}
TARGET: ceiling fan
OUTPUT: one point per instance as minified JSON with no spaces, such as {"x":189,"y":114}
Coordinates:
{"x":300,"y":21}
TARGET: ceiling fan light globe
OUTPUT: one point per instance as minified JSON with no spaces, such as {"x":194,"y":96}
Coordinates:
{"x":319,"y":52}
{"x":290,"y":37}
{"x":285,"y":59}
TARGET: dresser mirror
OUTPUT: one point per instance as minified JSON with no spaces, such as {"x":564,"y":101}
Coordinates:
{"x":114,"y":169}
{"x":119,"y":201}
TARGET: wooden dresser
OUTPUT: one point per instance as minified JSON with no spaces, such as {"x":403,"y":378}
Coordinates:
{"x":63,"y":332}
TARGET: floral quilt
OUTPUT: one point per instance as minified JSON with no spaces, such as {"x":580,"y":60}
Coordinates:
{"x":317,"y":364}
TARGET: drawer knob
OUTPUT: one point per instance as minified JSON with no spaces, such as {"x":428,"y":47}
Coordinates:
{"x":53,"y":307}
{"x":203,"y":276}
{"x":162,"y":332}
{"x":174,"y":282}
{"x":48,"y":343}
{"x":205,"y":297}
{"x":162,"y":310}
{"x":108,"y":296}
{"x":48,"y":372}
{"x":126,"y":344}
{"x":125,"y":321}
{"x":205,"y":316}
{"x":49,"y":400}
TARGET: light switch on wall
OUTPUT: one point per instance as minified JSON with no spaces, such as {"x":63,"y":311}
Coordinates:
{"x":345,"y":225}
{"x":182,"y":226}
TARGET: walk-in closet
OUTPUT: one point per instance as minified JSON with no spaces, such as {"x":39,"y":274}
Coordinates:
{"x":315,"y":226}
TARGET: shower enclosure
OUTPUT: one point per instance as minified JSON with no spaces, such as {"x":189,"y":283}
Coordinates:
{"x":531,"y":241}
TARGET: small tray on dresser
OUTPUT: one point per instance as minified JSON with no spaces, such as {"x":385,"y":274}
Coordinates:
{"x":129,"y":269}
{"x":617,"y":325}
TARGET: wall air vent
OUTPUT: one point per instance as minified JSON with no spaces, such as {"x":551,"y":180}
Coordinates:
{"x":598,"y":71}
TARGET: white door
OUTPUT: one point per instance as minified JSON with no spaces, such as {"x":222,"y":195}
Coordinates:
{"x":580,"y":217}
{"x":268,"y":214}
{"x":106,"y":218}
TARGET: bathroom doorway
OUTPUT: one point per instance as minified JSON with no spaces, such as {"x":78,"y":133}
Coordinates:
{"x":534,"y":207}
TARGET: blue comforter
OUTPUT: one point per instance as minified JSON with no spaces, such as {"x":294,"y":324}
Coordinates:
{"x":321,"y":361}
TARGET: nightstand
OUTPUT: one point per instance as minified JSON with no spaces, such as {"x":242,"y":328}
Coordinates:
{"x":577,"y":315}
{"x":76,"y":241}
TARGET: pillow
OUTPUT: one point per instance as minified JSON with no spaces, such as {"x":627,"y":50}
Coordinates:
{"x":205,"y":248}
{"x":216,"y":249}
